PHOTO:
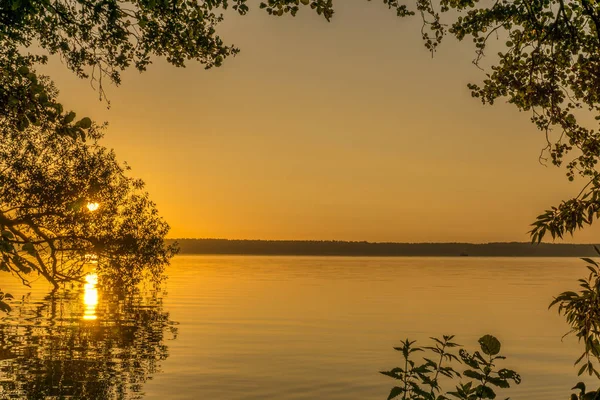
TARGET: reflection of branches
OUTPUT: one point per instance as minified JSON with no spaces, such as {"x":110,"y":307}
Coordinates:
{"x":47,"y":349}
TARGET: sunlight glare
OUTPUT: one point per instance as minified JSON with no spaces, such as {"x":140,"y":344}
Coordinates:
{"x":90,"y":297}
{"x":92,"y":206}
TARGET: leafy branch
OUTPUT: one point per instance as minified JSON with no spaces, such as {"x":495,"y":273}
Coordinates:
{"x":582,"y":312}
{"x":420,"y":381}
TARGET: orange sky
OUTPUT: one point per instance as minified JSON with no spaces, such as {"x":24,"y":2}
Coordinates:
{"x":346,"y":130}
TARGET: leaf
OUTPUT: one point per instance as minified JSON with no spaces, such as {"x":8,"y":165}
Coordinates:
{"x":19,"y":263}
{"x":590,"y":261}
{"x":29,"y":248}
{"x":509,"y":374}
{"x":489,"y":345}
{"x":592,"y":270}
{"x":69,"y":117}
{"x":395,"y":392}
{"x":499,"y":382}
{"x":473,"y":374}
{"x":468,"y":359}
{"x":4,"y":307}
{"x":580,"y":358}
{"x":85,"y":123}
{"x":4,"y":266}
{"x":486,"y":392}
{"x":394,"y":373}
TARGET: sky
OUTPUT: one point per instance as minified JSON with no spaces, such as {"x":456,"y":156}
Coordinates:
{"x":347,"y":130}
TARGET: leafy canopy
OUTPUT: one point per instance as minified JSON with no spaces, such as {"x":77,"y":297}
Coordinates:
{"x":51,"y":167}
{"x":582,"y":312}
{"x":51,"y":162}
{"x":99,"y":39}
{"x":547,"y":63}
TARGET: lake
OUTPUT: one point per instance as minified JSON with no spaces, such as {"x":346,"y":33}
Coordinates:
{"x":240,"y":327}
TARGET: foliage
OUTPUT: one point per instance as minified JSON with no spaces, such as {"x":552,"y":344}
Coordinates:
{"x":100,"y":39}
{"x":51,"y":163}
{"x":582,"y":312}
{"x":546,"y":62}
{"x":583,"y":395}
{"x":546,"y":65}
{"x":421,"y":381}
{"x":51,"y":167}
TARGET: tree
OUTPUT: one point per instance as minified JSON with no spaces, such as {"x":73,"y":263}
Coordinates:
{"x":548,"y":64}
{"x":99,"y":39}
{"x":52,"y":168}
{"x":548,"y":61}
{"x":52,"y":165}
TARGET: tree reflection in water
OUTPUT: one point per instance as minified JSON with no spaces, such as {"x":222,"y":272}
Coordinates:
{"x":84,"y":343}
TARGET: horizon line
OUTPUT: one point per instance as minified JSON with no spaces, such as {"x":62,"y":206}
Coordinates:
{"x":384,"y":242}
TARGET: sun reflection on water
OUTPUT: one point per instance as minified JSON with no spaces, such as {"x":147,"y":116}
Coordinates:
{"x":90,"y":297}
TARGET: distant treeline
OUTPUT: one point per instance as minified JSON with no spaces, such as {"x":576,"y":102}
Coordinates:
{"x":340,"y":248}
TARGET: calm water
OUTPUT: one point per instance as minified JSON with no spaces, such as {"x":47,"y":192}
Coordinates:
{"x":285,"y":328}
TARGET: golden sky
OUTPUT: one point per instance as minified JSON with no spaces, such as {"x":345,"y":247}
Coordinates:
{"x":346,"y":130}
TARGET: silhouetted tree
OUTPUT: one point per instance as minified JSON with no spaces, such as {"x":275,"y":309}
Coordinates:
{"x":51,"y":165}
{"x":548,"y":64}
{"x":98,"y":39}
{"x":52,"y":168}
{"x":547,"y":60}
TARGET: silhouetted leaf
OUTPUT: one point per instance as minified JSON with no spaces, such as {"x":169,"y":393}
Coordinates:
{"x":473,"y":374}
{"x":85,"y":123}
{"x":486,"y":392}
{"x":29,"y":248}
{"x":395,"y":392}
{"x":489,"y":345}
{"x":4,"y":266}
{"x":4,"y":307}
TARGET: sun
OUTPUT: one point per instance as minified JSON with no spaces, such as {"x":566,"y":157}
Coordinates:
{"x":92,"y":206}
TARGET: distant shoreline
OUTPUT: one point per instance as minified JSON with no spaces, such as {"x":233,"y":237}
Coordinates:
{"x":373,"y":249}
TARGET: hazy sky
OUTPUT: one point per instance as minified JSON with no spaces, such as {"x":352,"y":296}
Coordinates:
{"x":346,"y":130}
